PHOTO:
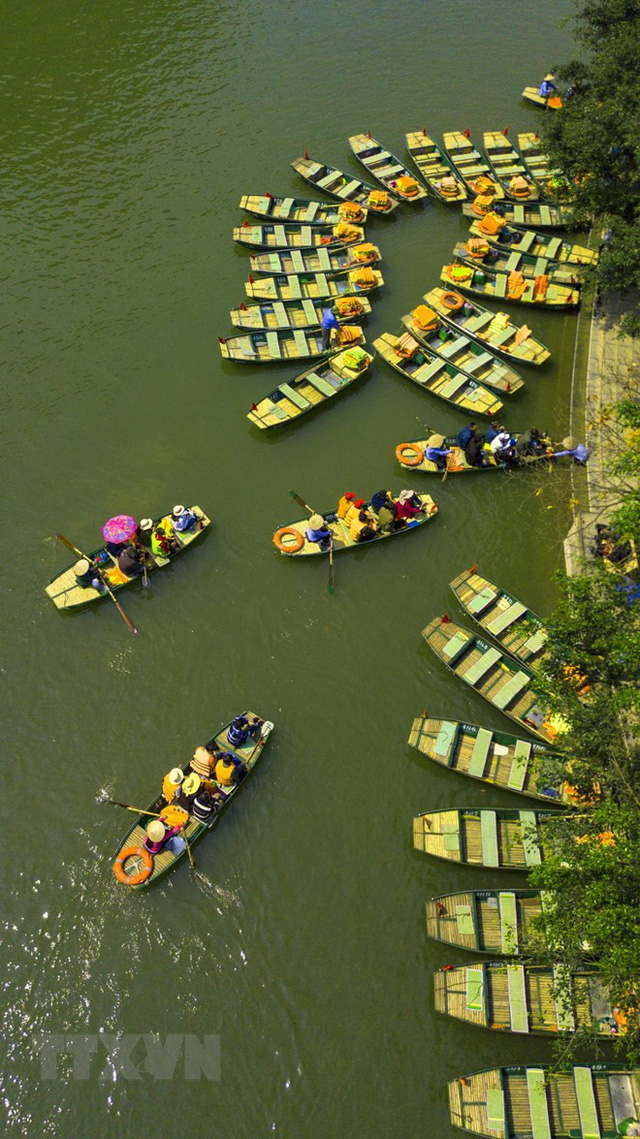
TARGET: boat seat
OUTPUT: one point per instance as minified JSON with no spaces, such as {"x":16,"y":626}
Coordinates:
{"x":622,"y":1098}
{"x":306,"y":236}
{"x":452,"y":385}
{"x":512,"y":262}
{"x":532,"y":852}
{"x":538,"y":1104}
{"x":599,"y":998}
{"x":545,"y":215}
{"x":527,"y":292}
{"x":456,"y":646}
{"x":501,"y":285}
{"x":519,"y":214}
{"x":301,"y":342}
{"x":273,"y":345}
{"x":321,"y":384}
{"x":478,"y":362}
{"x":297,"y":261}
{"x":478,"y":321}
{"x":480,"y":752}
{"x":294,"y":396}
{"x":323,"y":284}
{"x":445,"y":740}
{"x":535,"y":642}
{"x":511,"y":689}
{"x":294,"y":287}
{"x":518,"y":1009}
{"x":489,"y":838}
{"x":474,"y":984}
{"x":496,"y":1113}
{"x":553,"y":247}
{"x":519,"y":765}
{"x":508,"y":922}
{"x":350,"y":188}
{"x":324,"y":259}
{"x":432,"y":370}
{"x":451,"y":837}
{"x":587,"y":1110}
{"x":312,"y":209}
{"x":541,"y":267}
{"x":481,"y":667}
{"x":278,"y":412}
{"x":482,"y":601}
{"x":526,"y":241}
{"x":506,"y":618}
{"x":280,"y":236}
{"x":503,"y":335}
{"x":552,"y":293}
{"x":451,"y":347}
{"x":286,"y":207}
{"x":464,"y":920}
{"x":326,"y":179}
{"x":280,"y":313}
{"x":565,"y":1020}
{"x":309,"y":310}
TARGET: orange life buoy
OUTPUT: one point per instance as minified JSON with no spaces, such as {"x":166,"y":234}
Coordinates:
{"x":286,"y":547}
{"x":414,"y":458}
{"x":452,"y":301}
{"x":142,"y":875}
{"x":520,"y":193}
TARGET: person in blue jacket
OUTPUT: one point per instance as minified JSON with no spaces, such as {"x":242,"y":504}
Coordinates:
{"x":329,"y":323}
{"x":318,"y":531}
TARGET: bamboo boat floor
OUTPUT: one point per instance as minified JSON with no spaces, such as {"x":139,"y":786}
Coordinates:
{"x":487,"y":921}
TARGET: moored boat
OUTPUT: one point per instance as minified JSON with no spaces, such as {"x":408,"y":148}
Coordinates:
{"x":532,"y":215}
{"x":434,"y":168}
{"x":295,"y":236}
{"x":344,"y":186}
{"x":315,"y":286}
{"x":412,"y":457}
{"x":386,"y":168}
{"x":434,"y":374}
{"x":509,"y":168}
{"x":480,"y":254}
{"x":532,"y":95}
{"x":494,"y":329}
{"x":586,"y":1101}
{"x":517,"y":239}
{"x":488,"y":921}
{"x":518,"y":630}
{"x":496,"y":758}
{"x":494,"y":675}
{"x":292,"y":540}
{"x":302,"y":210}
{"x":511,"y":287}
{"x":536,"y":161}
{"x":495,"y":840}
{"x":283,"y":345}
{"x":134,"y":865}
{"x":460,"y":351}
{"x":310,"y":389}
{"x":297,"y":314}
{"x":470,"y":165}
{"x":66,"y":593}
{"x":319,"y":260}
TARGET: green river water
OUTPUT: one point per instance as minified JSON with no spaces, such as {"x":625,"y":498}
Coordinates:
{"x":129,"y":132}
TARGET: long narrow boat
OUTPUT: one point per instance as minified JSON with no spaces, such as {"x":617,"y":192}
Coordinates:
{"x":492,"y":674}
{"x":283,"y":345}
{"x":488,"y":921}
{"x":521,"y":240}
{"x":551,"y":102}
{"x":302,"y":210}
{"x":532,"y":215}
{"x":295,"y":236}
{"x":495,"y":758}
{"x":510,"y":287}
{"x":495,"y":330}
{"x":310,"y":389}
{"x":137,"y":867}
{"x":386,"y":168}
{"x":315,"y":286}
{"x":536,"y":161}
{"x":65,"y":592}
{"x":460,"y":351}
{"x":587,"y":1101}
{"x":434,"y":168}
{"x":434,"y":374}
{"x":518,"y":630}
{"x":292,"y":540}
{"x":495,"y":840}
{"x":470,"y":165}
{"x":297,"y":314}
{"x":411,"y":456}
{"x":509,"y":168}
{"x":318,"y":260}
{"x":532,"y":1000}
{"x":480,"y":254}
{"x":344,"y":186}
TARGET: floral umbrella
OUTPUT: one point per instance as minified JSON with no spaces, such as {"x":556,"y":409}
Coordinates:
{"x":120,"y":528}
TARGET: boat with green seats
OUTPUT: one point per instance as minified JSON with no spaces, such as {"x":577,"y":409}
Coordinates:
{"x":479,"y":253}
{"x":434,"y":374}
{"x":511,"y":287}
{"x":344,"y":186}
{"x":294,"y":236}
{"x":470,"y":165}
{"x":490,"y":840}
{"x":521,"y":240}
{"x":291,"y":539}
{"x":282,"y":345}
{"x":412,"y":456}
{"x":516,"y":628}
{"x":508,"y":168}
{"x":325,"y":259}
{"x":496,"y":330}
{"x":315,"y":286}
{"x":435,"y":169}
{"x":276,"y":315}
{"x":302,"y":210}
{"x":461,"y":351}
{"x":489,"y":921}
{"x":388,"y":170}
{"x":310,"y":389}
{"x":532,"y":215}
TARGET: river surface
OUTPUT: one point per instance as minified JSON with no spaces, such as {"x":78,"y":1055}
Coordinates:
{"x":129,"y":132}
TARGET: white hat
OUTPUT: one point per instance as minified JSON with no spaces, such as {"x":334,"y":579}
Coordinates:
{"x":146,"y":523}
{"x":175,"y":776}
{"x":177,"y":511}
{"x":156,"y":830}
{"x":316,"y":522}
{"x":405,"y":495}
{"x":81,"y":567}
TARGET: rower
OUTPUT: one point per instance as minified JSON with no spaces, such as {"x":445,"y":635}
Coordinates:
{"x":318,"y":531}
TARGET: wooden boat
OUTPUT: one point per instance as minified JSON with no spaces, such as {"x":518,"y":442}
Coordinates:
{"x":508,"y":166}
{"x":291,"y":539}
{"x":65,"y":592}
{"x":285,"y":344}
{"x":461,"y":352}
{"x":310,"y":389}
{"x":523,"y":240}
{"x":501,"y":259}
{"x":435,"y":375}
{"x":295,"y":236}
{"x":552,"y":102}
{"x":297,"y":314}
{"x":343,"y":186}
{"x":532,"y":215}
{"x":470,"y":165}
{"x":586,"y":1101}
{"x":493,"y":329}
{"x":495,"y":758}
{"x":434,"y":167}
{"x":517,"y":629}
{"x":488,"y":921}
{"x":411,"y":456}
{"x":319,"y":260}
{"x":315,"y":286}
{"x":532,"y":1000}
{"x":494,"y":675}
{"x":302,"y":210}
{"x":536,"y":161}
{"x":386,"y":168}
{"x":498,"y":286}
{"x":166,"y":860}
{"x":495,"y":840}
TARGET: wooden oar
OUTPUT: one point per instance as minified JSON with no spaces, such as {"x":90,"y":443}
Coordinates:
{"x":301,"y":502}
{"x":130,"y":626}
{"x":331,"y":585}
{"x":128,"y":807}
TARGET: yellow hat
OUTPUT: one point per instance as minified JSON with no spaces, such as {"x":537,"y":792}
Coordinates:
{"x":156,"y":830}
{"x":191,"y":784}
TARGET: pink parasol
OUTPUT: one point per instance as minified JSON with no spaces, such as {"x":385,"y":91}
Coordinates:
{"x":120,"y":528}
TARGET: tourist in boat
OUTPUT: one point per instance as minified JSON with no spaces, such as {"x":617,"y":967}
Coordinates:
{"x":241,"y":729}
{"x":382,"y":498}
{"x":318,"y":531}
{"x":493,"y":429}
{"x":159,"y":837}
{"x":229,"y":770}
{"x":408,"y":505}
{"x":187,"y":791}
{"x":530,"y":443}
{"x":573,"y":450}
{"x":182,"y":519}
{"x":163,"y":541}
{"x":436,"y":452}
{"x":466,"y":434}
{"x":131,"y":560}
{"x":354,"y":510}
{"x":204,"y":759}
{"x":474,"y":452}
{"x":547,"y":87}
{"x":144,"y":532}
{"x":363,"y":528}
{"x":87,"y":576}
{"x":503,"y":449}
{"x":206,"y":805}
{"x":329,"y":324}
{"x":384,"y":505}
{"x":345,"y":502}
{"x":171,"y":783}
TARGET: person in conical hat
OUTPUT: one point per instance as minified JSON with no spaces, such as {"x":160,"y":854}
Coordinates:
{"x":547,"y":87}
{"x":318,"y":531}
{"x":573,"y":450}
{"x":87,"y":576}
{"x":436,"y":452}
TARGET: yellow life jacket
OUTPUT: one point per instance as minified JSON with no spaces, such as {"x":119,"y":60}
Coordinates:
{"x":350,"y":211}
{"x":345,"y":232}
{"x":477,"y":247}
{"x":365,"y":252}
{"x":406,"y":346}
{"x":482,"y":204}
{"x":448,"y":185}
{"x":348,"y":306}
{"x":224,"y":772}
{"x":349,"y":333}
{"x":459,"y":272}
{"x":483,"y":185}
{"x":515,"y":284}
{"x":363,"y":278}
{"x":540,"y":286}
{"x":378,"y":199}
{"x":407,"y":186}
{"x":425,"y":318}
{"x":491,"y":223}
